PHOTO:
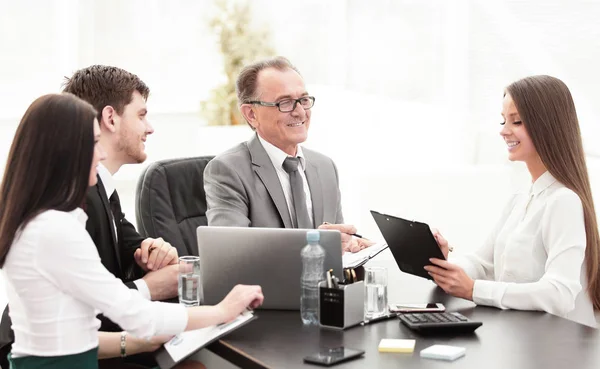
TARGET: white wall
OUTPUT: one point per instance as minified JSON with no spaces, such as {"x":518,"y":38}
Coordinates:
{"x":406,"y":87}
{"x":408,"y":91}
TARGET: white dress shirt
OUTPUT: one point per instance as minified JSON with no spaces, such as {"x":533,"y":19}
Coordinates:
{"x":277,"y":157}
{"x":534,"y":258}
{"x":55,"y":282}
{"x":109,"y":186}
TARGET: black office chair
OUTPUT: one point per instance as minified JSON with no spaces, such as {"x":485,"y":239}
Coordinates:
{"x":170,"y":202}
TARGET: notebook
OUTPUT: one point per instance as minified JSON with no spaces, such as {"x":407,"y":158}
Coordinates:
{"x":356,"y":259}
{"x":188,"y":343}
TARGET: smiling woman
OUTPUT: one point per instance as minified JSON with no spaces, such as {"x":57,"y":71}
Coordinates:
{"x":551,"y":230}
{"x":56,"y":282}
{"x":520,"y":145}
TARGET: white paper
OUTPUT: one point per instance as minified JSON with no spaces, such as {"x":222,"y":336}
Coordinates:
{"x":352,"y":260}
{"x":443,"y":352}
{"x":187,"y":342}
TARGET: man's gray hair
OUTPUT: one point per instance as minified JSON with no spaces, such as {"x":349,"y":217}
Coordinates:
{"x":246,"y":81}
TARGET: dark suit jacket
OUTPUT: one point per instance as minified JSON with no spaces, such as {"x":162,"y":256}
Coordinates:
{"x":116,"y":257}
{"x":242,"y":189}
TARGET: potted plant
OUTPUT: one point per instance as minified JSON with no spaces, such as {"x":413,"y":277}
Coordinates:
{"x":240,"y":45}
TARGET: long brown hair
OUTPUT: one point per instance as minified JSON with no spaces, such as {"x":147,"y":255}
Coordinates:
{"x":547,"y":110}
{"x":48,"y":165}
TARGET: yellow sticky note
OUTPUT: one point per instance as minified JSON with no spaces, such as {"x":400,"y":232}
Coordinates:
{"x":396,"y":345}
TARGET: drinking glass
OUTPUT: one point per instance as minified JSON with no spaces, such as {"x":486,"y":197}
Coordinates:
{"x":189,"y":286}
{"x":375,"y":292}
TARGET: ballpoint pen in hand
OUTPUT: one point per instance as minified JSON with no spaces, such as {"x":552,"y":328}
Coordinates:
{"x":353,"y":234}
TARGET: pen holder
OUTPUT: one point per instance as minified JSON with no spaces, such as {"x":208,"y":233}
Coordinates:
{"x":342,"y":307}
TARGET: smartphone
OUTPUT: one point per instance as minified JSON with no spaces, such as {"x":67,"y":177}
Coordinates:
{"x":332,"y":356}
{"x":417,"y":308}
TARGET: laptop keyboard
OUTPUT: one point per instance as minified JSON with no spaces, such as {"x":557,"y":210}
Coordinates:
{"x":439,"y":322}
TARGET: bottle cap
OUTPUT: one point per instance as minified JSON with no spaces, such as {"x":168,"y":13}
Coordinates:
{"x":313,"y":236}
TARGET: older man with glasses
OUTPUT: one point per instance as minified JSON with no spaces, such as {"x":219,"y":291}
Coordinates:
{"x":270,"y":180}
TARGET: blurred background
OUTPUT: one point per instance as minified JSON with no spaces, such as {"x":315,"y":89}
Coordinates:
{"x":408,"y":92}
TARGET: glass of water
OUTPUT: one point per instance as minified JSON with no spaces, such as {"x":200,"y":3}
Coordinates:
{"x":375,"y":292}
{"x":189,"y":286}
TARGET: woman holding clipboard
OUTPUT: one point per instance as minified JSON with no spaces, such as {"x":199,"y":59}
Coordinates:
{"x":55,"y":279}
{"x":544,"y":252}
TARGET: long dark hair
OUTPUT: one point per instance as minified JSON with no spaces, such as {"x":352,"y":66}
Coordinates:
{"x":48,"y":165}
{"x":548,"y":112}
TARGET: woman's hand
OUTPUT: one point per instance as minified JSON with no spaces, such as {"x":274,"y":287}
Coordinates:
{"x":240,"y":299}
{"x":451,"y":278}
{"x":441,"y":241}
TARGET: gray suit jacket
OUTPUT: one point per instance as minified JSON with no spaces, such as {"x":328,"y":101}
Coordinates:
{"x":243,"y":190}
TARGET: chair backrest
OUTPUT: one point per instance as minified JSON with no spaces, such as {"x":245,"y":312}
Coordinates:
{"x":171,"y":203}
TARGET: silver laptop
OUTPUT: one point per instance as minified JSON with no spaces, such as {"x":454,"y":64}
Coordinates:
{"x":269,"y":257}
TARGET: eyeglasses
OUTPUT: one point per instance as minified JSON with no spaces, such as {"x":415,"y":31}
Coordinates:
{"x":288,"y":105}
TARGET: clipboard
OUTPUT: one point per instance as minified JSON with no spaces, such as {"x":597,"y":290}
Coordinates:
{"x":411,"y":243}
{"x":188,"y":343}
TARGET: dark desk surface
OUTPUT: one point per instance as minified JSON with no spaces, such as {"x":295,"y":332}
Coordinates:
{"x":506,"y":340}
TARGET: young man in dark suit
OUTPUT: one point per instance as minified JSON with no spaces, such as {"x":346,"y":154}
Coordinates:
{"x":120,"y":99}
{"x":148,"y":265}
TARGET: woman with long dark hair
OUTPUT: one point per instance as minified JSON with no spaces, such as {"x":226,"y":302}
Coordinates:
{"x":544,"y":252}
{"x":55,"y":280}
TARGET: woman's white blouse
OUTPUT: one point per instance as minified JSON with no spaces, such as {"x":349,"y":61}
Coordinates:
{"x":534,"y":258}
{"x":56,"y":283}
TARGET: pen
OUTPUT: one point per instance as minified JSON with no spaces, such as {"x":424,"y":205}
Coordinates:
{"x":349,"y":276}
{"x":335,"y":282}
{"x":353,"y":234}
{"x":379,"y":318}
{"x":329,"y":281}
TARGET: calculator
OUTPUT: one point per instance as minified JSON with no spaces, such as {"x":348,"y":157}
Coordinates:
{"x":439,"y":322}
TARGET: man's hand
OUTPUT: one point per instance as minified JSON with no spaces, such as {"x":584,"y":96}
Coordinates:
{"x":451,"y":278}
{"x":347,"y":230}
{"x":162,"y":283}
{"x":363,"y":243}
{"x":155,"y":253}
{"x":349,"y":242}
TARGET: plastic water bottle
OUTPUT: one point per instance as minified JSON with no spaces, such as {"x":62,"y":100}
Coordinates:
{"x":313,"y":259}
